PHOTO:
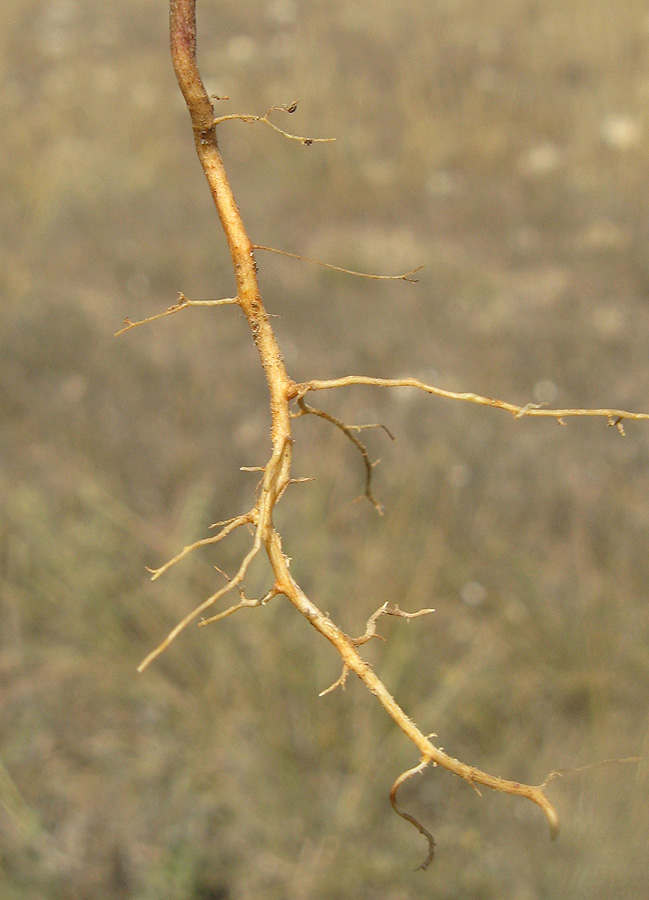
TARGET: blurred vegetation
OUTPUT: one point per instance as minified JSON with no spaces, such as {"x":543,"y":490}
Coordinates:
{"x":506,"y":146}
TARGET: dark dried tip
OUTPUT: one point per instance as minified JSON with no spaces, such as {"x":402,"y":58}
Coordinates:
{"x":292,"y":107}
{"x":430,"y":856}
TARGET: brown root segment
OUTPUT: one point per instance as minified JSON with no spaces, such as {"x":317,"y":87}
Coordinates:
{"x":276,"y":475}
{"x":405,"y":276}
{"x":410,"y":818}
{"x":347,"y":430}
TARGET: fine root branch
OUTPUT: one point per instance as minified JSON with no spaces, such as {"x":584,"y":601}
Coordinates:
{"x":211,"y":600}
{"x":410,"y":818}
{"x":348,"y":431}
{"x":244,"y":603}
{"x":182,"y":303}
{"x":406,"y":276}
{"x":561,"y":773}
{"x":227,"y":528}
{"x":339,"y":682}
{"x":265,"y":120}
{"x":368,"y":634}
{"x":386,"y":610}
{"x":614,"y":417}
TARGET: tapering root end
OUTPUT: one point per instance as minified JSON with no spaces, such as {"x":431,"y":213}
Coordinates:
{"x":409,"y":818}
{"x":552,"y":817}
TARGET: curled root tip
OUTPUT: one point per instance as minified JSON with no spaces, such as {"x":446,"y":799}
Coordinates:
{"x":404,"y":815}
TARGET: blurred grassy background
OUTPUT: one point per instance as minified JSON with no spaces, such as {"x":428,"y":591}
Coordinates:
{"x":505,"y":145}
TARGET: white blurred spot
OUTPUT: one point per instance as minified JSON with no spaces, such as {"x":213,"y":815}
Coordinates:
{"x":621,"y":132}
{"x":540,"y":159}
{"x":545,"y":391}
{"x":406,"y":394}
{"x":473,"y":593}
